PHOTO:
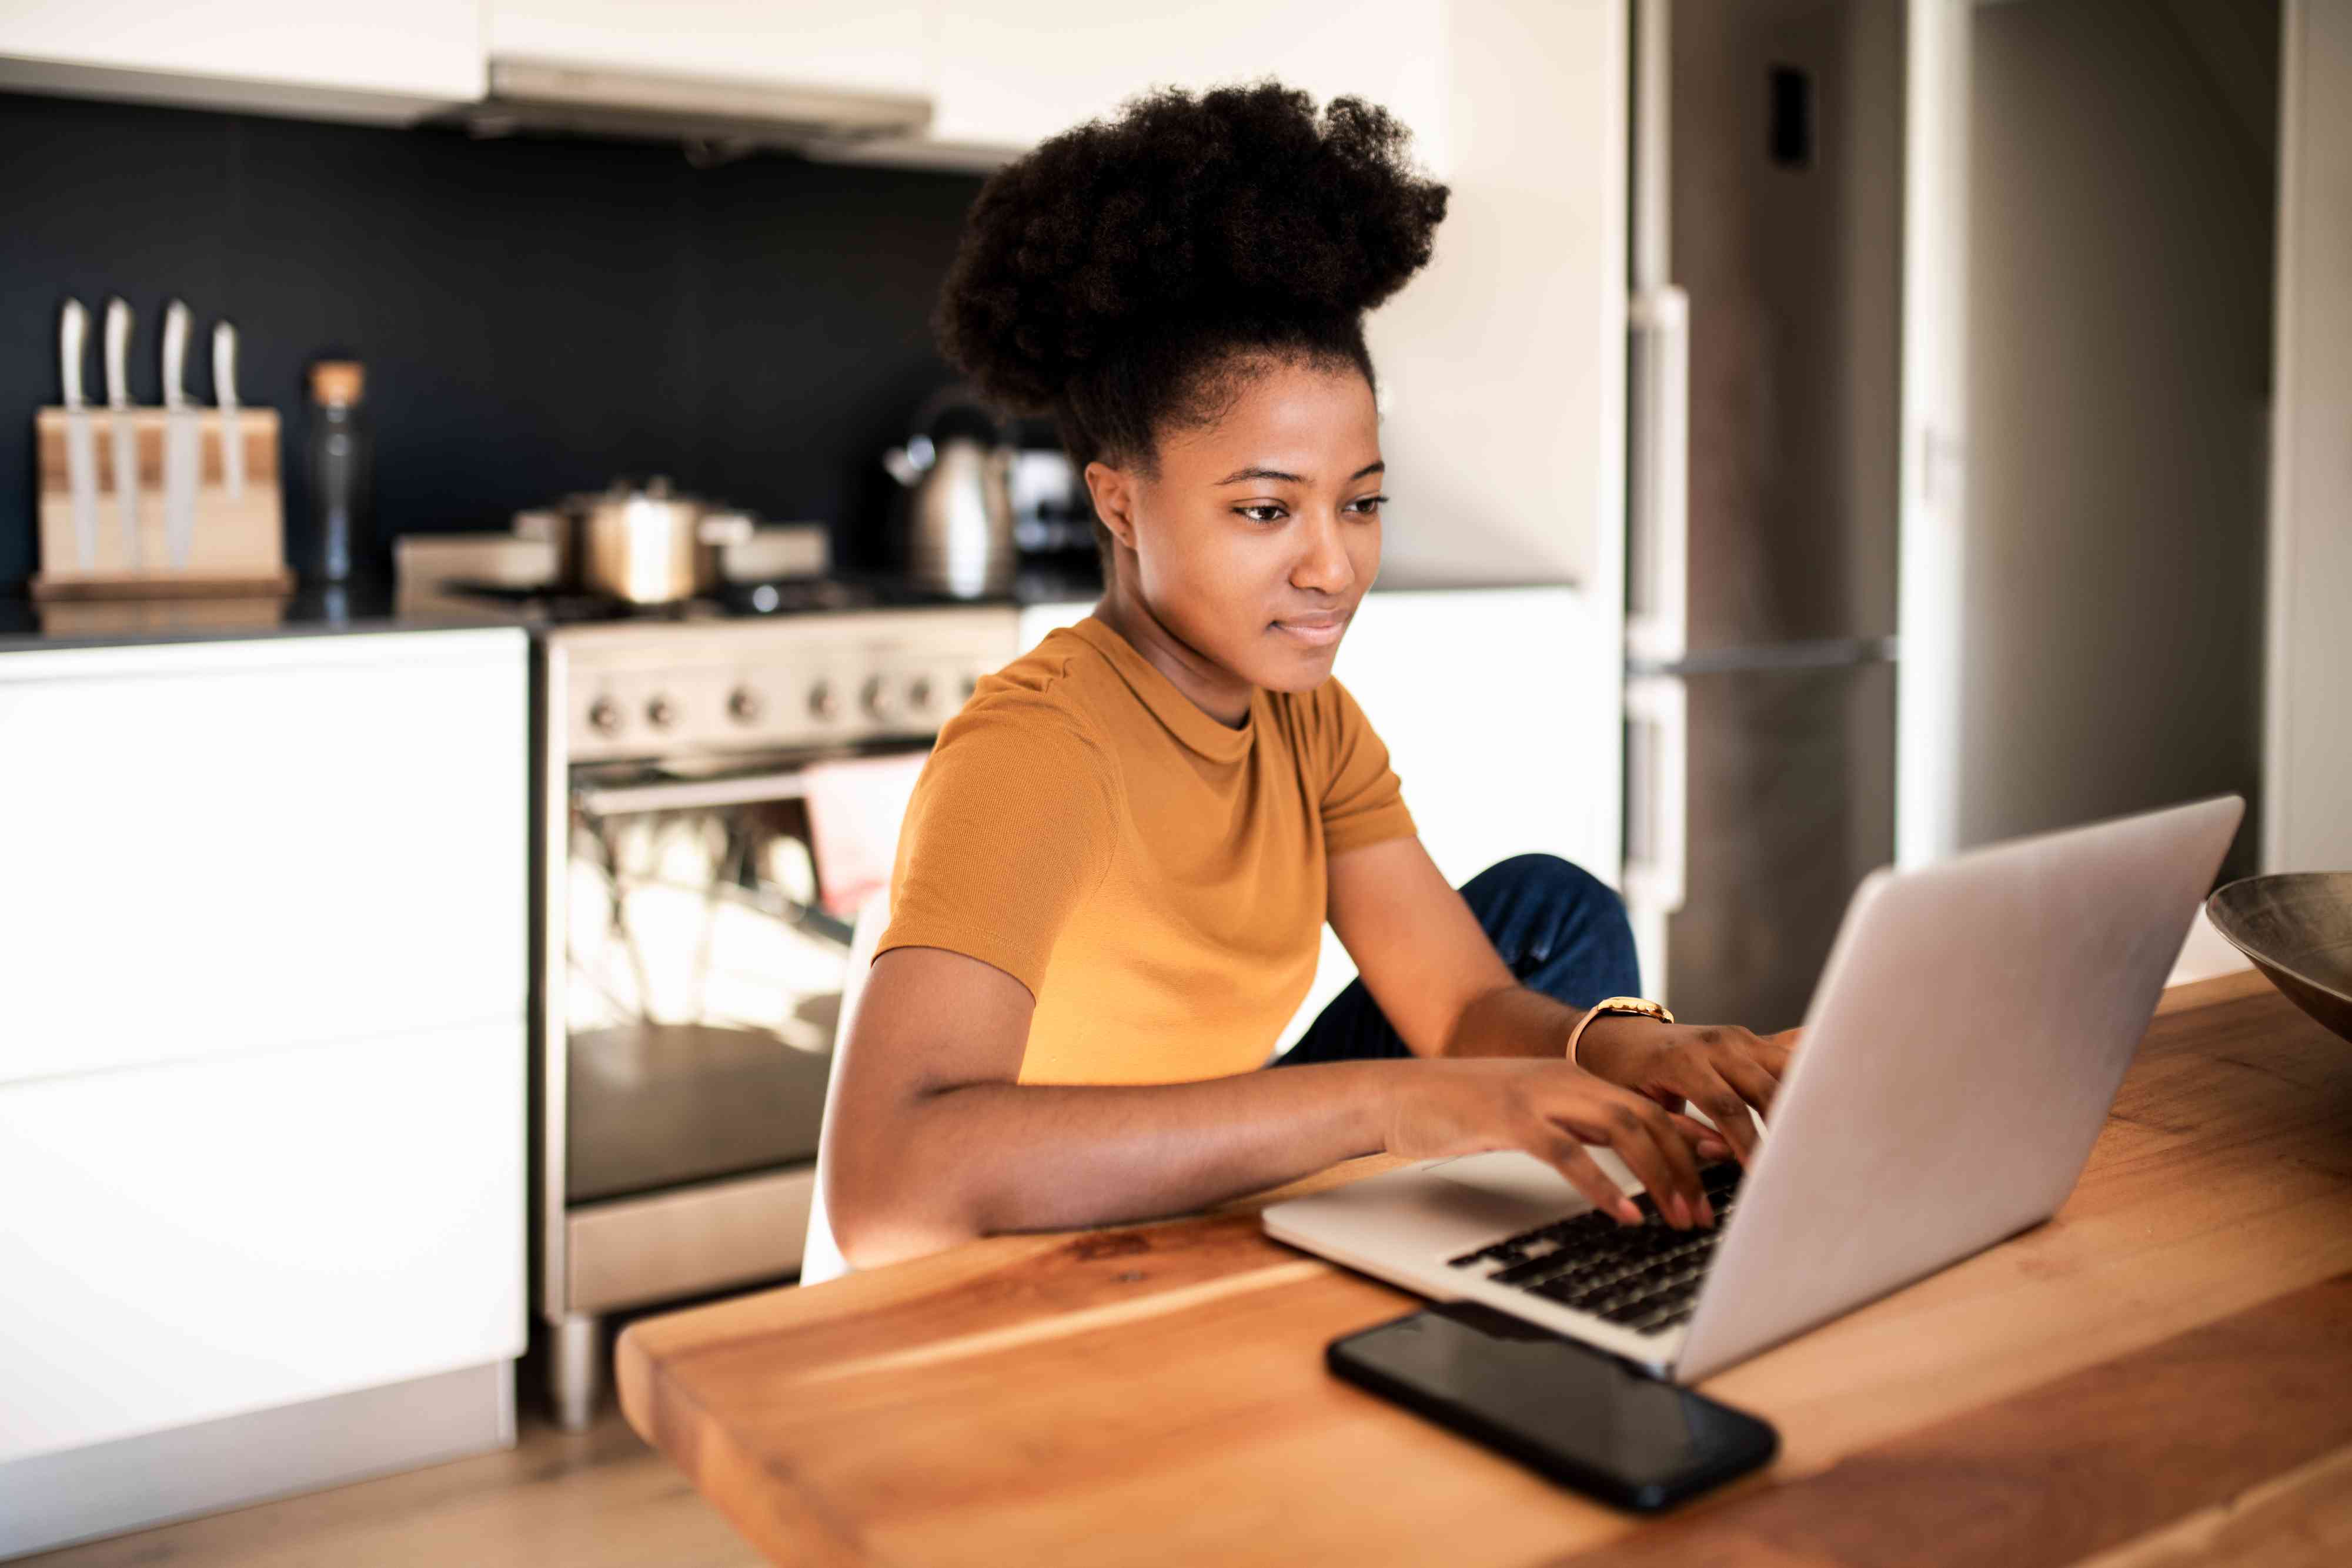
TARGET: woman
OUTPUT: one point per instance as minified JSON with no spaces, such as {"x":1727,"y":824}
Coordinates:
{"x":1113,"y":875}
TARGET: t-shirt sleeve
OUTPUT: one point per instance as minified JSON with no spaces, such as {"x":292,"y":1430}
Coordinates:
{"x":1009,"y":830}
{"x":1362,"y":802}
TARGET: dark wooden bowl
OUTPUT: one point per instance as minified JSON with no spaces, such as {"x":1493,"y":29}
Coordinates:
{"x":2297,"y":928}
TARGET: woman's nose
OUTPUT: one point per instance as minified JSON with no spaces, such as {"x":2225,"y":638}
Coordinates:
{"x":1324,"y":566}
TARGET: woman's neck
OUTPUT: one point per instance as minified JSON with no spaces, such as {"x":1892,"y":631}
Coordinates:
{"x":1214,"y":689}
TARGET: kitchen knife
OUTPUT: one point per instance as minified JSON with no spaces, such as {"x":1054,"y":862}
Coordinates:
{"x":118,"y":400}
{"x":224,"y":395}
{"x":179,"y":439}
{"x":81,"y":442}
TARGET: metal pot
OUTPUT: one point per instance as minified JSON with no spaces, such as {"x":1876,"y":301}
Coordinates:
{"x":643,"y":545}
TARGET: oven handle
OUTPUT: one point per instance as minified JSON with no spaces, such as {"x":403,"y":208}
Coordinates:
{"x":689,"y":794}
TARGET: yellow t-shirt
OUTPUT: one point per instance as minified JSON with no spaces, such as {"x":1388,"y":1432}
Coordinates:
{"x":1154,"y":877}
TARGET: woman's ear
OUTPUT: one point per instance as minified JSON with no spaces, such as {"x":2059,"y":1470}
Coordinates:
{"x":1114,"y":498}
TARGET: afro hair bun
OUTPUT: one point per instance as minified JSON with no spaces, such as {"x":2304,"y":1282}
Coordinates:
{"x":1237,"y":204}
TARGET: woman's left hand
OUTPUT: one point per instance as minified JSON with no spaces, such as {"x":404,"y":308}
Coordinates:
{"x":1719,"y":1069}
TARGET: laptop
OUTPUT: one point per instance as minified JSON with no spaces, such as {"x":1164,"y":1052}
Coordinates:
{"x":1963,"y":1047}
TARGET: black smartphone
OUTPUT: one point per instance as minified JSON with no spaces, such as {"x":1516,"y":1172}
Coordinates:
{"x":1578,"y":1415}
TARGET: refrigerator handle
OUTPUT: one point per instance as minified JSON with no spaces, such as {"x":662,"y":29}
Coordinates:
{"x":1658,"y":755}
{"x":1658,"y":481}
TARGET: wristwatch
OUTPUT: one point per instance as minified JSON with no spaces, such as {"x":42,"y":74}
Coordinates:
{"x":1641,"y":1007}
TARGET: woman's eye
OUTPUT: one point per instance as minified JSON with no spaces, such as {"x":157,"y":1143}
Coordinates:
{"x":1368,"y":505}
{"x":1263,"y":512}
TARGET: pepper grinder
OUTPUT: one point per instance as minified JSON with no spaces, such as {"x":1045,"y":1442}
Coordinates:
{"x":339,"y":466}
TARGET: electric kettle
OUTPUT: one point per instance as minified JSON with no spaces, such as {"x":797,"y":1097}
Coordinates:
{"x":951,"y":528}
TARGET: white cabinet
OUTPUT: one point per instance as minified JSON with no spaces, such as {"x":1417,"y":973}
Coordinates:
{"x":1003,"y":74}
{"x":225,"y":847}
{"x":1013,"y":72}
{"x":359,"y":61}
{"x":263,"y":951}
{"x":879,"y":46}
{"x":1499,"y":707}
{"x":211,"y":1237}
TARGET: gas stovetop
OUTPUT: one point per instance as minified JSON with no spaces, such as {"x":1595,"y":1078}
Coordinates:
{"x":732,"y":601}
{"x":800,"y":664}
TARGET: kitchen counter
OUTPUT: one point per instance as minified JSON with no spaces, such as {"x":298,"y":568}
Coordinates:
{"x":307,"y":612}
{"x":320,"y":611}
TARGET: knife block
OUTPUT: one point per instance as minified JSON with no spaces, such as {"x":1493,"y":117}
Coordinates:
{"x":234,"y":544}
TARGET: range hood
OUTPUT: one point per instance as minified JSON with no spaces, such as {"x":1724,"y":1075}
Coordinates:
{"x":715,"y":113}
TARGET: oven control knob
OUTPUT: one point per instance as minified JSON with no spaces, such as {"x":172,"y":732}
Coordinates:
{"x":822,"y":702}
{"x":743,"y":703}
{"x":604,"y":716}
{"x":877,"y":699}
{"x":660,"y":713}
{"x":919,"y":692}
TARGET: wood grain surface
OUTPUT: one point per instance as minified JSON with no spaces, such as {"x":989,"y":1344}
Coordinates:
{"x":2157,"y":1376}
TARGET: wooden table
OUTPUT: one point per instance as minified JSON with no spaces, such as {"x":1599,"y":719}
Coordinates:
{"x":2160,"y":1375}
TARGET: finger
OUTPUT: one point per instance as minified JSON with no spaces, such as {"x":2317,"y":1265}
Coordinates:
{"x":1583,"y":1173}
{"x":1597,"y":1119}
{"x":1755,"y":1085}
{"x":1757,"y":1051}
{"x":1728,"y":1111}
{"x":1774,"y":1051}
{"x":1645,"y":1139}
{"x":1664,"y":1097}
{"x":1704,"y":1140}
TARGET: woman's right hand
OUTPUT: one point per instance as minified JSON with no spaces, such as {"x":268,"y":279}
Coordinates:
{"x":1551,"y":1109}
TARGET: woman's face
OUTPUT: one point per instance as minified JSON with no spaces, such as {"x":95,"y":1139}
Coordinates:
{"x":1257,"y":535}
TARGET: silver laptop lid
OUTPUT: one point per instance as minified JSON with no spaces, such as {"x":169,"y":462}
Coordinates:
{"x":1963,"y":1044}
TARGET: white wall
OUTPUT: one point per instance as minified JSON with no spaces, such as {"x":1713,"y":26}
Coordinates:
{"x":1503,"y":364}
{"x":2307,"y":737}
{"x":2117,"y":361}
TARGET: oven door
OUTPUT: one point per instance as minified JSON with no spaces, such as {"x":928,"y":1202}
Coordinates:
{"x":702,"y":976}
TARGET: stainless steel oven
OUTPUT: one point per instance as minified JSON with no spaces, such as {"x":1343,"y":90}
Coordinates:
{"x":687,"y":973}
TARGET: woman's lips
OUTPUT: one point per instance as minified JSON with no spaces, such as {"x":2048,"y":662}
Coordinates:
{"x":1314,"y":631}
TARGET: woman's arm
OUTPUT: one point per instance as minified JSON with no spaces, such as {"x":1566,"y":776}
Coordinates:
{"x":934,"y":1141}
{"x":1439,"y":980}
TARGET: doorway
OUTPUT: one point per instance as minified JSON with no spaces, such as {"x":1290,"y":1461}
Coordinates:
{"x":2120,"y":202}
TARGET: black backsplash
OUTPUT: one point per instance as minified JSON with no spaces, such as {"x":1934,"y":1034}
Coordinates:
{"x":536,"y":316}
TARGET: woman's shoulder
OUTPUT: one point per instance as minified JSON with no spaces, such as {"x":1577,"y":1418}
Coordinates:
{"x":1059,"y":669}
{"x":1033,"y":718}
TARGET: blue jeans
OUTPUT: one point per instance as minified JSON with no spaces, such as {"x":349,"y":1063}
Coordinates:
{"x":1558,"y":929}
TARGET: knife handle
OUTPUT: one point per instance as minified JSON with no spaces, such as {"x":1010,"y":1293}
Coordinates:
{"x":73,"y":346}
{"x":118,"y":354}
{"x":224,"y":365}
{"x":175,"y":355}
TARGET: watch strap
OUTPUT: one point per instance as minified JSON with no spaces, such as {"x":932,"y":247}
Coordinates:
{"x":1640,"y":1007}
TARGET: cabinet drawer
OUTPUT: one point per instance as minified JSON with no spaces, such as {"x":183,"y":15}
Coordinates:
{"x":206,"y":1238}
{"x":281,"y":56}
{"x":232,"y":847}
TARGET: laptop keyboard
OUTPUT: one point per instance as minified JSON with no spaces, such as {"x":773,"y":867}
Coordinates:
{"x":1641,"y":1277}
